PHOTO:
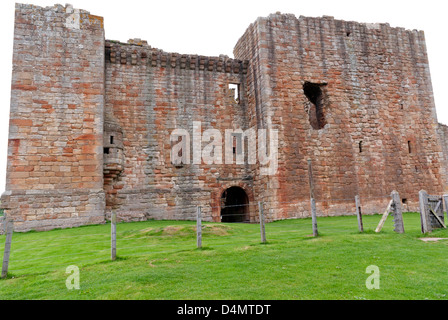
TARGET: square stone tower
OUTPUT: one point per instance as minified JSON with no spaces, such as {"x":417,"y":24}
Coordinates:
{"x":55,"y":154}
{"x":354,"y":98}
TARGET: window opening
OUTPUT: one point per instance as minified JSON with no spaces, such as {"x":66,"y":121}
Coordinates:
{"x":235,"y":91}
{"x":315,"y":95}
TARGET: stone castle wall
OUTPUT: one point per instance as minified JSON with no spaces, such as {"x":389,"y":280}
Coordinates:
{"x":91,"y":120}
{"x":442,"y":131}
{"x":150,"y":93}
{"x":54,"y":171}
{"x":375,"y":130}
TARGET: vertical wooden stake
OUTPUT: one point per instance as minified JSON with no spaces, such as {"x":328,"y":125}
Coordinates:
{"x":445,"y":204}
{"x":262,"y":229}
{"x":310,"y":179}
{"x":113,"y":233}
{"x":199,"y":227}
{"x":424,"y":215}
{"x":6,"y":253}
{"x":398,"y":215}
{"x":313,"y":201}
{"x":359,"y":213}
{"x":314,"y":217}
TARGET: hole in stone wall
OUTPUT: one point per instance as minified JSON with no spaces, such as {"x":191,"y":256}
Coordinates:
{"x":237,"y":140}
{"x":106,"y":150}
{"x":179,"y":144}
{"x":235,"y":90}
{"x":348,"y":33}
{"x":315,"y":95}
{"x":404,"y":201}
{"x":409,"y":147}
{"x":111,"y":139}
{"x":360,"y":146}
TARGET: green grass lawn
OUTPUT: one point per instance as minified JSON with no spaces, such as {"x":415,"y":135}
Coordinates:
{"x":159,"y":260}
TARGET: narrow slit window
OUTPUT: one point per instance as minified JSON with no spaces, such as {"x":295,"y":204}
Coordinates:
{"x":237,"y":139}
{"x":234,"y":88}
{"x":360,"y":146}
{"x":409,"y":147}
{"x":111,"y":139}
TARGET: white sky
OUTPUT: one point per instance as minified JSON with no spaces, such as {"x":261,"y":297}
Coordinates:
{"x":212,"y":28}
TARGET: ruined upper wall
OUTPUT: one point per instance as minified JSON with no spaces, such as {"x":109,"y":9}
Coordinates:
{"x":346,"y":27}
{"x":137,"y":52}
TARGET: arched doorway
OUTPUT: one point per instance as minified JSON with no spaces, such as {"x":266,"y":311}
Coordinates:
{"x":234,"y":205}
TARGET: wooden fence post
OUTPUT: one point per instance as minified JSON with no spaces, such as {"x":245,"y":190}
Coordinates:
{"x":113,"y":236}
{"x":359,"y":213}
{"x":314,"y":217}
{"x":424,"y":216}
{"x":313,"y":200}
{"x":397,"y":212}
{"x":7,"y":252}
{"x":199,"y":227}
{"x":262,"y":229}
{"x":445,"y":204}
{"x":310,"y":179}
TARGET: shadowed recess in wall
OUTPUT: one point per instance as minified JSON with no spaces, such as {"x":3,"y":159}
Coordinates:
{"x":234,"y":205}
{"x":316,"y":96}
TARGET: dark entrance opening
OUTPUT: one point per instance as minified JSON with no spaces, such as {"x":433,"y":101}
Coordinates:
{"x":234,"y":205}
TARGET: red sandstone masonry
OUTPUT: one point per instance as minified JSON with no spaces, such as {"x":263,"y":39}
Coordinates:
{"x":55,"y":174}
{"x":442,"y":132}
{"x":378,"y":92}
{"x":91,"y":120}
{"x":137,"y":52}
{"x":149,"y":93}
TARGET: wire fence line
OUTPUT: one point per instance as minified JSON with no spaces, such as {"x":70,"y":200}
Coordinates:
{"x":186,"y":211}
{"x":30,"y":254}
{"x":275,"y":202}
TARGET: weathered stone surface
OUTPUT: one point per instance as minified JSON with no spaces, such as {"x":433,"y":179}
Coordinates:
{"x":91,"y":120}
{"x":380,"y":132}
{"x":442,"y":132}
{"x":56,"y":126}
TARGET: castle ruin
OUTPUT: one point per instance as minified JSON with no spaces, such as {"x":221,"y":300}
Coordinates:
{"x":91,"y":121}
